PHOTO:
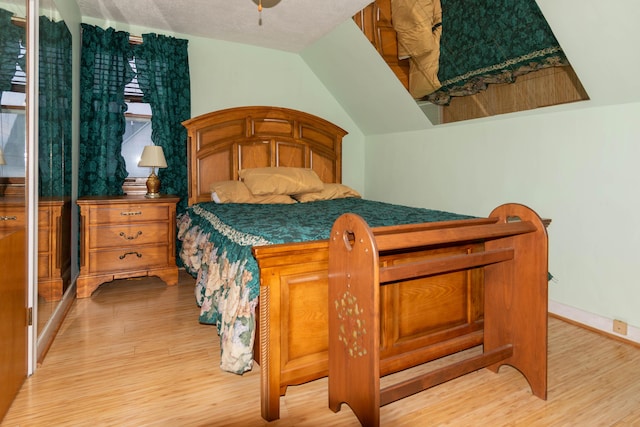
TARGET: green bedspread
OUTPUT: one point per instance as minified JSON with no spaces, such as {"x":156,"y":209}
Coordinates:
{"x":216,"y":242}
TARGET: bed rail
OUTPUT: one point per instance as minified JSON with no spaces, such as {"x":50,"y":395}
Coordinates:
{"x":514,"y":261}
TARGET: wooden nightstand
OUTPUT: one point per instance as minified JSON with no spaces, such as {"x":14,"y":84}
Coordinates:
{"x":126,"y":236}
{"x":54,"y":252}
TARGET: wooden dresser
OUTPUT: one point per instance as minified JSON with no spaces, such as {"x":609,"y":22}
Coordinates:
{"x":126,"y":236}
{"x":54,"y":247}
{"x":54,"y":251}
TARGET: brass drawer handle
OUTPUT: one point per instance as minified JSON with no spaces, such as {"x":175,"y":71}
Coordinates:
{"x":131,"y":213}
{"x":124,"y":236}
{"x":8,"y":218}
{"x":124,"y":255}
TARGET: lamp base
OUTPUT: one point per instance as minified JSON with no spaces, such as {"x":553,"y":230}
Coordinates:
{"x":153,"y":186}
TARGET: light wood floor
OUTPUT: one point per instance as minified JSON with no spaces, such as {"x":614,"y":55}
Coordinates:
{"x":134,"y":354}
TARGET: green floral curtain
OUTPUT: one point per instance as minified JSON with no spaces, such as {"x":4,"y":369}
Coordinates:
{"x":11,"y":37}
{"x":104,"y":72}
{"x":54,"y":110}
{"x":491,"y":41}
{"x":163,"y":76}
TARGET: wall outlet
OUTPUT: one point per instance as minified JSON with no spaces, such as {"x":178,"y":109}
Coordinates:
{"x":620,"y":327}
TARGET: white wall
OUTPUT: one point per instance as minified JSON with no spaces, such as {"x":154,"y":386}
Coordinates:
{"x":19,"y":9}
{"x":225,"y":75}
{"x":579,"y":168}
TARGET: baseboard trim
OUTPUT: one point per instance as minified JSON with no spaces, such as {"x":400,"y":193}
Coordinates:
{"x":594,"y":322}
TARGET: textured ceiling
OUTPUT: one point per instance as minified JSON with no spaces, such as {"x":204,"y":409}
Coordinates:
{"x":291,"y":25}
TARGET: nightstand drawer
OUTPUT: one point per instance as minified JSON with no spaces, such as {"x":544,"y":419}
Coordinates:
{"x":128,"y":213}
{"x":127,"y":235}
{"x":127,"y":259}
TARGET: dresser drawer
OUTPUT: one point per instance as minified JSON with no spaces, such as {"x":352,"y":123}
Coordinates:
{"x":128,"y":213}
{"x":44,"y":219}
{"x":11,"y":217}
{"x":43,"y":240}
{"x":44,"y":264}
{"x":128,"y":235}
{"x":127,"y":259}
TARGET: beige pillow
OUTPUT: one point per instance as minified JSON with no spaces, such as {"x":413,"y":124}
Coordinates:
{"x":273,"y":199}
{"x":237,"y":192}
{"x":329,"y":192}
{"x":261,"y":181}
{"x":230,"y":192}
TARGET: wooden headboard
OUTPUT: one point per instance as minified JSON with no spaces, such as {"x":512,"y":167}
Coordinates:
{"x":221,"y":143}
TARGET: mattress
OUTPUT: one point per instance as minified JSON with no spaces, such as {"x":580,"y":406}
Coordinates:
{"x":215,"y":242}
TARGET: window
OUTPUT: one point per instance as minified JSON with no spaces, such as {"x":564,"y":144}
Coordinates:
{"x":138,"y":127}
{"x":13,"y":125}
{"x":13,"y":143}
{"x":106,"y":70}
{"x":137,"y":134}
{"x":12,"y":128}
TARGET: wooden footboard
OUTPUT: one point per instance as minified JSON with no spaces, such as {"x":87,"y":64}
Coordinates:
{"x":421,"y":319}
{"x":515,"y":265}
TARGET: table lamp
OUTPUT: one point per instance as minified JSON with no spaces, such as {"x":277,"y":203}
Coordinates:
{"x":153,"y":157}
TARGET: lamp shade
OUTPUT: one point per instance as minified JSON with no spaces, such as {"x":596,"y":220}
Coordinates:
{"x":152,"y":156}
{"x":2,"y":161}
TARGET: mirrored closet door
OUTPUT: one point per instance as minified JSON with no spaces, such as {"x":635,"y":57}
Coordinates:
{"x":54,"y":125}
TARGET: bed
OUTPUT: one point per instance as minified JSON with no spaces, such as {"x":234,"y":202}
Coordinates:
{"x":283,"y":321}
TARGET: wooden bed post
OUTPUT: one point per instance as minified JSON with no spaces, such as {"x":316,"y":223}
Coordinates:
{"x":269,"y":361}
{"x":516,"y":298}
{"x":354,"y":320}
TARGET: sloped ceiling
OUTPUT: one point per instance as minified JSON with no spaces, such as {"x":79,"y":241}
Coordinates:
{"x":599,"y":38}
{"x":363,"y":83}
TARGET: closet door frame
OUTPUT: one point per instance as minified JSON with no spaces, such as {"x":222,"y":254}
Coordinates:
{"x":31,"y":187}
